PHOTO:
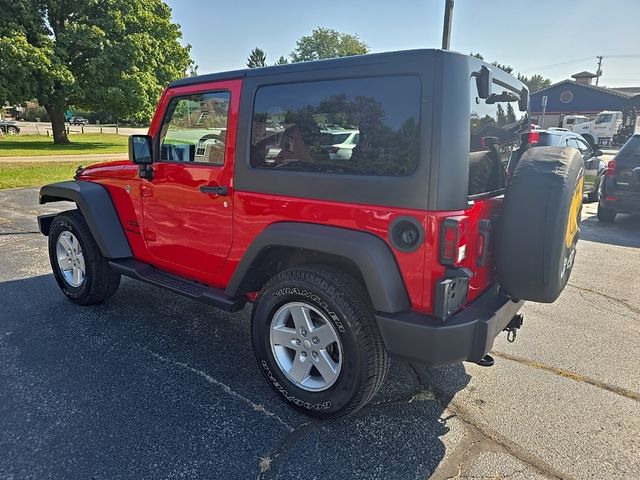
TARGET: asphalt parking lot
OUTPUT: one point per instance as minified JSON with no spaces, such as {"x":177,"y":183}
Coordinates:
{"x":151,"y":385}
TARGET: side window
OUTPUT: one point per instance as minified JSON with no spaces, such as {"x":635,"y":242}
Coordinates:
{"x":495,"y":128}
{"x":195,"y":128}
{"x":583,"y":147}
{"x":367,"y":126}
{"x":572,"y":142}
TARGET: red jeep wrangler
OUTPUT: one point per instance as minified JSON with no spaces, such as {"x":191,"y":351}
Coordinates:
{"x":369,"y":207}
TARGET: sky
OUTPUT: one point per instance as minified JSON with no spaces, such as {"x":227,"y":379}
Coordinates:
{"x":555,"y":38}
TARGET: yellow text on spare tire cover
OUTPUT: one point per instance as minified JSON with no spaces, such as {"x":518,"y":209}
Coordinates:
{"x":574,"y":212}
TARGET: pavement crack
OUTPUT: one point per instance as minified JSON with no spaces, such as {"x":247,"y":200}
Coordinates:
{"x":225,"y":388}
{"x":624,"y":303}
{"x":270,"y":463}
{"x":571,"y":375}
{"x":17,"y":233}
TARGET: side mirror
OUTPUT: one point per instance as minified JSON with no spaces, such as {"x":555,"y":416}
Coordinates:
{"x":484,"y":81}
{"x":140,"y":149}
{"x":597,"y":153}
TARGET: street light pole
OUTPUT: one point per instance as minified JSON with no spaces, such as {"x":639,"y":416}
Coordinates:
{"x":446,"y":31}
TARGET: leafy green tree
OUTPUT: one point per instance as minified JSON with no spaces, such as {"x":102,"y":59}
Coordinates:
{"x":111,"y":55}
{"x":511,"y":114}
{"x":282,"y":61}
{"x":257,"y":58}
{"x":535,"y":82}
{"x":327,"y":43}
{"x":501,"y":117}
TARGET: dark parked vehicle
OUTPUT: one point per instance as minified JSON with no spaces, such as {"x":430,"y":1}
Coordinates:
{"x":620,"y":190}
{"x":9,"y":127}
{"x":594,"y":166}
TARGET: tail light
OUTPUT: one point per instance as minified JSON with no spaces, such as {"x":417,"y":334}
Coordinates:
{"x":453,"y":241}
{"x":611,"y":169}
{"x":534,"y":137}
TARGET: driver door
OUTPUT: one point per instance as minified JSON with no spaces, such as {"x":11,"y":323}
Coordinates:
{"x":187,"y":205}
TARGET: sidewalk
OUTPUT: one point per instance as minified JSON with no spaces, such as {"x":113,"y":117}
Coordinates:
{"x":96,"y":157}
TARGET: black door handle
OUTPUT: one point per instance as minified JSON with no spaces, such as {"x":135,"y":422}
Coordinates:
{"x":214,"y":190}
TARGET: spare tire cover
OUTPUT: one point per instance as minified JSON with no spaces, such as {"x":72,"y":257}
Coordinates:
{"x":540,"y":224}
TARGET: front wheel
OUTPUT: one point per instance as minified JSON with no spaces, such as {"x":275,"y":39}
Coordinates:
{"x":12,"y":131}
{"x":81,"y":271}
{"x":317,"y":342}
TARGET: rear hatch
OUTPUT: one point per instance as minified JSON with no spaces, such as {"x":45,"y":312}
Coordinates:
{"x":625,"y":171}
{"x":497,"y":128}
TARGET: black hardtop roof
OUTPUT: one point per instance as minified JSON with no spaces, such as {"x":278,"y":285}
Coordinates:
{"x":351,"y":61}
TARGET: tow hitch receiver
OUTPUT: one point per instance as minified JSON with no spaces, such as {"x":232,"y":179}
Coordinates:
{"x":511,"y":329}
{"x":513,"y":326}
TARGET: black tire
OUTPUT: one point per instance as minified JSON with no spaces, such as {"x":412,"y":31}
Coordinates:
{"x":486,"y":173}
{"x":12,"y":131}
{"x":100,"y":282}
{"x":606,"y":215}
{"x":594,"y":196}
{"x":540,"y":224}
{"x":347,"y":307}
{"x":590,"y":140}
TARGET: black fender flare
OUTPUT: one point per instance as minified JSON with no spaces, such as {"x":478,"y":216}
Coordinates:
{"x":371,"y":255}
{"x":95,"y":204}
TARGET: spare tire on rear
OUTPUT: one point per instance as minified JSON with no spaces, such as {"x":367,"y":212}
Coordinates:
{"x":540,"y":224}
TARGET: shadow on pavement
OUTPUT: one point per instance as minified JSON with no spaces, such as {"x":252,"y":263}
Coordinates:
{"x":624,"y":231}
{"x":152,"y":385}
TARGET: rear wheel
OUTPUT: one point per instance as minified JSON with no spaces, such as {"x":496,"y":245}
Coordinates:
{"x":317,"y":342}
{"x":12,"y":131}
{"x":606,"y":215}
{"x":81,"y":271}
{"x":594,"y":195}
{"x":590,"y":140}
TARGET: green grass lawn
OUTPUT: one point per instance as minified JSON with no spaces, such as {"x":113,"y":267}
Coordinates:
{"x":34,"y":174}
{"x":30,"y":145}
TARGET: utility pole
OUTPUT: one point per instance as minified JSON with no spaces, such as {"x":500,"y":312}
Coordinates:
{"x":446,"y":31}
{"x":599,"y":71}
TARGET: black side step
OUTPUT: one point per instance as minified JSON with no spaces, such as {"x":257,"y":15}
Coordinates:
{"x":149,"y":274}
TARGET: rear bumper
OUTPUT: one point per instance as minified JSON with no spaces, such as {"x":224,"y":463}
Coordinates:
{"x":467,"y":335}
{"x":619,"y":198}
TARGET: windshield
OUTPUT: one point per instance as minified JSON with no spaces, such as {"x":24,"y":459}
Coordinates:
{"x":549,"y":140}
{"x":604,"y":118}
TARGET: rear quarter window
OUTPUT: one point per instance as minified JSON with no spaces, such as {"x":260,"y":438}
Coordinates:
{"x":629,"y":154}
{"x":361,"y":126}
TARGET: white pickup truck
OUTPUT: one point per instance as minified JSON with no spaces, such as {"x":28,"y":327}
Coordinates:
{"x":603,"y":127}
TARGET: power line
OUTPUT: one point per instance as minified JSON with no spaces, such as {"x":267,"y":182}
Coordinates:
{"x":631,"y":55}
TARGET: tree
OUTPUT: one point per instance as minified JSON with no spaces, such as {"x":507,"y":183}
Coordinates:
{"x":501,"y":117}
{"x":535,"y":82}
{"x":281,"y":61}
{"x":111,"y":55}
{"x":257,"y":58}
{"x":327,"y":43}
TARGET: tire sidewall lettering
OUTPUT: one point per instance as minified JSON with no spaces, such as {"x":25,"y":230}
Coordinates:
{"x":314,"y":298}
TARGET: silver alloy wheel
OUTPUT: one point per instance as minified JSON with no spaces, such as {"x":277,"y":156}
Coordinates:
{"x":12,"y":131}
{"x":306,"y":346}
{"x":70,"y":258}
